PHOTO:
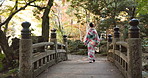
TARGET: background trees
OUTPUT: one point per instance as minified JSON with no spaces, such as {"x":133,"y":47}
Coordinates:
{"x":111,"y":13}
{"x":6,"y":16}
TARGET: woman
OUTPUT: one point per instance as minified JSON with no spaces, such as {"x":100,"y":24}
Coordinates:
{"x":91,"y":40}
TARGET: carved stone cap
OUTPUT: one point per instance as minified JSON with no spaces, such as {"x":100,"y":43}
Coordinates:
{"x":64,"y":36}
{"x":25,"y":32}
{"x":134,"y":29}
{"x":116,"y":29}
{"x":109,"y":38}
{"x":109,"y":35}
{"x":134,"y":22}
{"x":53,"y":33}
{"x":54,"y":30}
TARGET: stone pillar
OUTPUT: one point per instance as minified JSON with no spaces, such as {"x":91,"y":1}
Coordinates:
{"x":40,"y":39}
{"x":108,"y":43}
{"x":103,"y":37}
{"x":66,"y":45}
{"x":25,"y":56}
{"x":134,"y":51}
{"x":109,"y":38}
{"x":53,"y":38}
{"x":116,"y":32}
{"x":115,"y":39}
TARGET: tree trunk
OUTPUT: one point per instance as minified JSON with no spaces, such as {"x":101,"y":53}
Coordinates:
{"x":45,"y":21}
{"x":8,"y":51}
{"x":10,"y":59}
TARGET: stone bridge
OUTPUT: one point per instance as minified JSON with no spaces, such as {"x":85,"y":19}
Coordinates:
{"x":50,"y":59}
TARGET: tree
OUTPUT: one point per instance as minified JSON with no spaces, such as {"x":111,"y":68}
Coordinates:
{"x":7,"y":49}
{"x":45,"y":21}
{"x":142,"y":7}
{"x":106,"y":9}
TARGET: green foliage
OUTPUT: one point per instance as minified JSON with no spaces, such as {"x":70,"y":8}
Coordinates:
{"x":74,"y":46}
{"x":13,"y":73}
{"x":143,"y":18}
{"x":106,"y":23}
{"x":2,"y":56}
{"x":143,"y":28}
{"x":99,"y":7}
{"x":142,"y":7}
{"x":81,"y":52}
{"x":103,"y":48}
{"x":77,"y":47}
{"x":107,"y":11}
{"x":102,"y":43}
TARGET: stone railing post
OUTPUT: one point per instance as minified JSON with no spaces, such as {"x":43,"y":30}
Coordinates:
{"x":109,"y":41}
{"x":53,"y":38}
{"x":109,"y":38}
{"x":108,"y":44}
{"x":66,"y":45}
{"x":134,"y":51}
{"x":25,"y":56}
{"x":115,"y":39}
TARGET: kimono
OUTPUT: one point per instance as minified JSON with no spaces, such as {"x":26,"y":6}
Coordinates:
{"x":91,"y":40}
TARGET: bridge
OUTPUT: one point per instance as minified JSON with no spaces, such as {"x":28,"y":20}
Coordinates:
{"x":50,"y":59}
{"x":78,"y":67}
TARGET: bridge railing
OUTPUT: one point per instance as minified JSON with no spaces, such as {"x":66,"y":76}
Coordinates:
{"x":119,"y":56}
{"x":127,"y":56}
{"x":32,"y":61}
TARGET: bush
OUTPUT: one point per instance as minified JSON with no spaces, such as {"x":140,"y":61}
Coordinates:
{"x":103,"y":48}
{"x":77,"y":47}
{"x":74,"y":46}
{"x":13,"y":73}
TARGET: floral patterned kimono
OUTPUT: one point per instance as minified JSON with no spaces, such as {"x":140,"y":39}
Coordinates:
{"x":91,"y":40}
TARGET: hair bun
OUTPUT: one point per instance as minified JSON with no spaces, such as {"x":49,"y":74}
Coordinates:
{"x":91,"y":24}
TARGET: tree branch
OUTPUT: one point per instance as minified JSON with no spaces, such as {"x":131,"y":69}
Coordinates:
{"x":11,"y":15}
{"x":2,"y":3}
{"x":40,"y":8}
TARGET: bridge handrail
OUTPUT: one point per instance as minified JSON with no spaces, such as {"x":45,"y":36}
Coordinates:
{"x":36,"y":58}
{"x":122,"y":43}
{"x":122,"y":55}
{"x":127,"y":56}
{"x":60,"y":44}
{"x":120,"y":58}
{"x":42,"y":44}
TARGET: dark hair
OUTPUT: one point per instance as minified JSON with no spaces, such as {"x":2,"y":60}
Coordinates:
{"x":91,"y":24}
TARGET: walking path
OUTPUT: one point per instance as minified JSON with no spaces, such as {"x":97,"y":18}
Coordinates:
{"x":78,"y":67}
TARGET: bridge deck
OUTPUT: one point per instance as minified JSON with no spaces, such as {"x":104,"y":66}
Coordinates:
{"x":78,"y":67}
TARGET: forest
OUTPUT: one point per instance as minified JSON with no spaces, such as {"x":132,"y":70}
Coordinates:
{"x":68,"y":17}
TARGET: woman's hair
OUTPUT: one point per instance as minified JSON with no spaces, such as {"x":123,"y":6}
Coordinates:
{"x":91,"y":24}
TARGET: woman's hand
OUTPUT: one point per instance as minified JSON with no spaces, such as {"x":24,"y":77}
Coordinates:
{"x":85,"y":43}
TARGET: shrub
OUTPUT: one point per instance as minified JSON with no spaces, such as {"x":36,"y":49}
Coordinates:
{"x":2,"y":56}
{"x":74,"y":46}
